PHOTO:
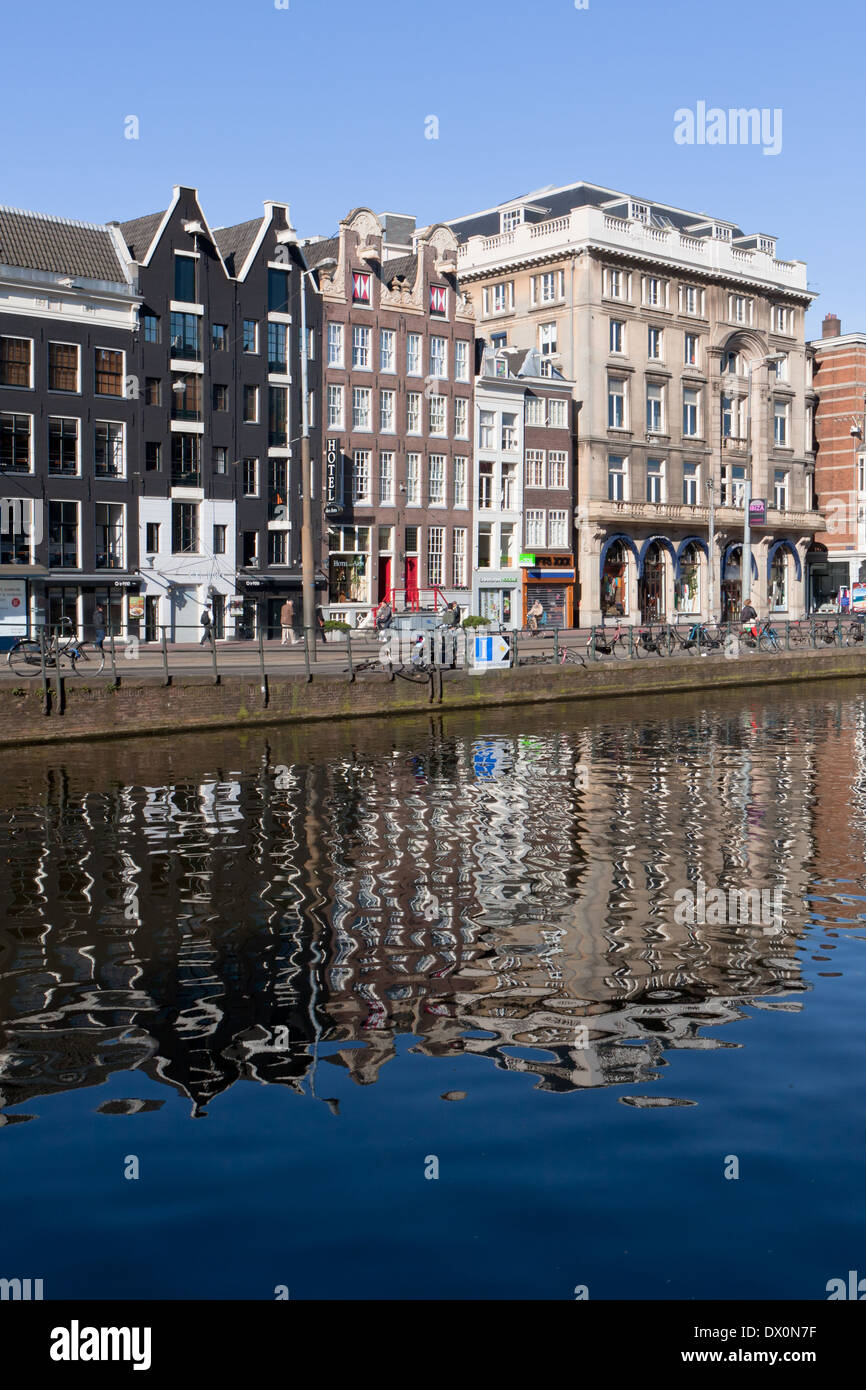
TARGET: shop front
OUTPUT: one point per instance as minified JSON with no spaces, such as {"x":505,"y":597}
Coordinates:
{"x":16,"y":583}
{"x":350,"y":569}
{"x":61,"y":603}
{"x":687,"y":577}
{"x":498,"y":597}
{"x":782,"y":585}
{"x":614,"y":575}
{"x":550,"y":581}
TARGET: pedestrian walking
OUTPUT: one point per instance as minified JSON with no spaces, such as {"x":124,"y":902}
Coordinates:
{"x":287,"y":623}
{"x":532,"y":617}
{"x":207,"y":627}
{"x":320,"y":624}
{"x":99,"y":625}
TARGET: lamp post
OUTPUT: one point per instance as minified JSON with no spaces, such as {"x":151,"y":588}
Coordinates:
{"x":711,"y":597}
{"x":767,"y":358}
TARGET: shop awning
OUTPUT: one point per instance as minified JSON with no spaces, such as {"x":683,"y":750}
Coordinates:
{"x":104,"y":578}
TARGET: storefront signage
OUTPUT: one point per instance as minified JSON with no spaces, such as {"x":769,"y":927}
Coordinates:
{"x":758,"y":511}
{"x":528,"y":559}
{"x":550,"y":574}
{"x":136,"y":608}
{"x":13,"y":606}
{"x":497,"y":579}
{"x":124,"y":583}
{"x":333,"y":478}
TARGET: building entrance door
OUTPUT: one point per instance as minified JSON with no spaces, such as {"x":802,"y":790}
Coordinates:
{"x":384,"y":577}
{"x":651,"y":587}
{"x":411,"y":579}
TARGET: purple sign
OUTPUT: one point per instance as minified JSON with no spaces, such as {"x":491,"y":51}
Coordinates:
{"x":758,"y":511}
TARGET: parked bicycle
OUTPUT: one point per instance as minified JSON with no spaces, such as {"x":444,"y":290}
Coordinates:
{"x":604,"y":642}
{"x":700,"y":637}
{"x":63,"y":651}
{"x":647,"y":641}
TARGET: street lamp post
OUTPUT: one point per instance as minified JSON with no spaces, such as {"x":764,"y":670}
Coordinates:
{"x":711,"y":597}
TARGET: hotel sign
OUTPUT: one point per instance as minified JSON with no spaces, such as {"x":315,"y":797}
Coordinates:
{"x":333,"y":478}
{"x":758,"y":511}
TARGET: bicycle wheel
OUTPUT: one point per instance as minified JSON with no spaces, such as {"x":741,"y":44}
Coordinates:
{"x":768,"y":642}
{"x":666,"y":644}
{"x":25,"y":658}
{"x":798,"y":636}
{"x":572,"y":657}
{"x":83,"y":663}
{"x":640,"y":645}
{"x":620,"y":648}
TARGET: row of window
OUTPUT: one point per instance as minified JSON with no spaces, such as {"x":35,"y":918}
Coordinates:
{"x":386,"y":420}
{"x":186,"y":334}
{"x":63,"y":445}
{"x":186,"y":538}
{"x":733,"y":483}
{"x":734,"y":412}
{"x":362,"y":359}
{"x":17,"y":367}
{"x":413,"y":485}
{"x":186,"y":403}
{"x":109,"y":522}
{"x":500,"y":542}
{"x":655,"y":293}
{"x":187,"y":288}
{"x":538,"y":412}
{"x":735,"y":364}
{"x":547,"y":288}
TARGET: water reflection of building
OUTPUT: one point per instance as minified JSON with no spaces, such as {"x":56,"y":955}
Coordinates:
{"x":504,"y":896}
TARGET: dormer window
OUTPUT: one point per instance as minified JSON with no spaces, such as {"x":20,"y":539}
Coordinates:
{"x":721,"y":233}
{"x":768,"y":244}
{"x":639,"y":212}
{"x":361,"y":287}
{"x":510,"y":219}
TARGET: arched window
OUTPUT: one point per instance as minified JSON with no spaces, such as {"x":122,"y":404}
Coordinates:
{"x":614,"y":588}
{"x":779,"y":582}
{"x":687,"y":590}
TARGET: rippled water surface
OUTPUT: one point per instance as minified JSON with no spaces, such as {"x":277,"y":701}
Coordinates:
{"x":288,"y":977}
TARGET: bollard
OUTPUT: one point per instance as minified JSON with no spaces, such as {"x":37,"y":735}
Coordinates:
{"x":556,"y":644}
{"x":167,"y":680}
{"x":46,"y":693}
{"x":264,"y":674}
{"x":307,"y":653}
{"x":111,"y":651}
{"x":213,"y":652}
{"x":349,"y":654}
{"x":630,"y":641}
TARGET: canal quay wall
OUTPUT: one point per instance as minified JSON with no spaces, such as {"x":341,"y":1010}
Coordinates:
{"x":144,"y":705}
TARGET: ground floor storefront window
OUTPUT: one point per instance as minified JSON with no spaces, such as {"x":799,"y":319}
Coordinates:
{"x":349,"y":566}
{"x":497,"y":605}
{"x":779,"y":582}
{"x":687,"y":588}
{"x":614,"y":588}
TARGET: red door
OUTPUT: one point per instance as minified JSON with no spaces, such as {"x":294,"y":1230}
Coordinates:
{"x":411,"y":580}
{"x":384,"y":577}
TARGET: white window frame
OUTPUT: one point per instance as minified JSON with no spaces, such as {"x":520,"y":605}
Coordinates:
{"x":557,"y":525}
{"x":413,"y":480}
{"x":361,"y":468}
{"x":461,"y":359}
{"x":690,"y":406}
{"x":414,"y":354}
{"x":622,"y":473}
{"x":387,"y":350}
{"x":617,"y":395}
{"x":535,"y":461}
{"x":557,"y":468}
{"x":414,"y":409}
{"x":117,"y":425}
{"x":461,"y":417}
{"x":57,"y":342}
{"x":660,"y":399}
{"x":691,"y":483}
{"x":362,"y":339}
{"x":656,"y":476}
{"x":436,"y":465}
{"x":335,"y":407}
{"x":534,"y":528}
{"x":438,"y":417}
{"x":386,"y":478}
{"x":336,"y":344}
{"x":387,"y":411}
{"x":461,"y":481}
{"x":362,"y":409}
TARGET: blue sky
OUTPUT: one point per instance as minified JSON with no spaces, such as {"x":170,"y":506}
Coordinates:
{"x":323,"y":105}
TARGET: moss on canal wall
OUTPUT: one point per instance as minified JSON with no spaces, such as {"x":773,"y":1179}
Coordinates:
{"x":145,"y":706}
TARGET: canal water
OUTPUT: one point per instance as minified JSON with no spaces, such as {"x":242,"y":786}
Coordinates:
{"x":483,"y":1006}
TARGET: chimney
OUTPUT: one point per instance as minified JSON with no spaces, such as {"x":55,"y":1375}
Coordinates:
{"x":831,"y":327}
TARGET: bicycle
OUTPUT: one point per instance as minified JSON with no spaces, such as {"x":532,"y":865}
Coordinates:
{"x":856,"y":632}
{"x":646,"y":642}
{"x":25,"y":657}
{"x":825,"y":632}
{"x":603,"y":643}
